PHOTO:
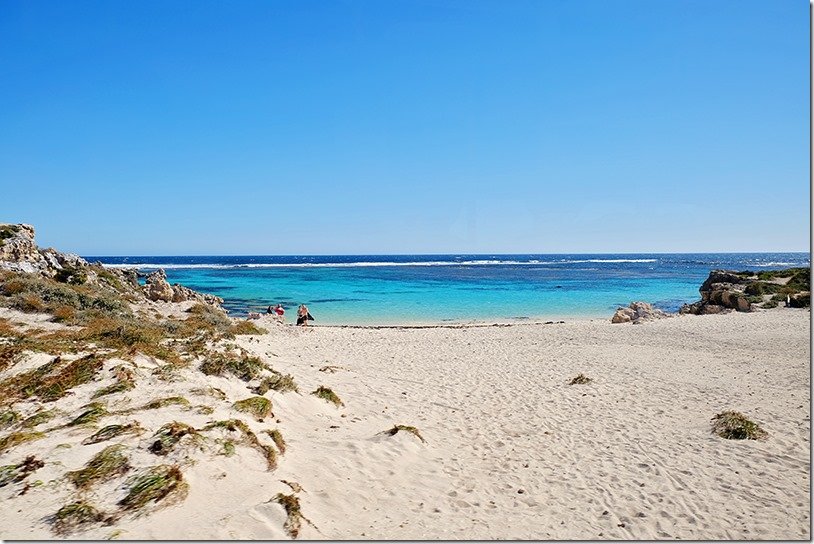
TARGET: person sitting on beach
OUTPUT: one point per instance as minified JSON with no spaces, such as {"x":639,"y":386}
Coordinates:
{"x":303,"y":315}
{"x":279,"y":310}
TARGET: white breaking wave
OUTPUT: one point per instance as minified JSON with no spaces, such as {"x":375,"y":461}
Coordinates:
{"x":373,"y":263}
{"x":779,"y":264}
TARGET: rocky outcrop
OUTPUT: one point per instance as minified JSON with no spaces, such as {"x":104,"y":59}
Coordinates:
{"x":637,"y":312}
{"x":19,"y":253}
{"x":157,"y":288}
{"x":722,"y":291}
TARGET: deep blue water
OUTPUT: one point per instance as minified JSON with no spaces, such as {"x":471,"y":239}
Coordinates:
{"x":388,"y":289}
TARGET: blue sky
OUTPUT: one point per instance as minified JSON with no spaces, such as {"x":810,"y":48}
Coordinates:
{"x":421,"y":126}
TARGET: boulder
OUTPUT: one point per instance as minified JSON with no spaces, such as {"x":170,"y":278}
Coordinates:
{"x":157,"y":288}
{"x":722,"y":290}
{"x":637,"y":312}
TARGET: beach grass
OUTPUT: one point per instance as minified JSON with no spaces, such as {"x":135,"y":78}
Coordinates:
{"x":259,"y":407}
{"x":15,"y":439}
{"x":327,"y":394}
{"x":153,"y":485}
{"x":91,"y":414}
{"x":276,"y":382}
{"x":107,"y":464}
{"x":71,"y":516}
{"x":169,"y":435}
{"x":112,"y":431}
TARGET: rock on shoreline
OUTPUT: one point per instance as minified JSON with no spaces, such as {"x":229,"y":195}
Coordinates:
{"x":19,"y":252}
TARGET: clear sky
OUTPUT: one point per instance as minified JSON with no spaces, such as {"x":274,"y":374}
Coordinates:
{"x":406,"y":126}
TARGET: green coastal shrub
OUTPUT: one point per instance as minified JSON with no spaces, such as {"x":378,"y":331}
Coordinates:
{"x":736,"y":426}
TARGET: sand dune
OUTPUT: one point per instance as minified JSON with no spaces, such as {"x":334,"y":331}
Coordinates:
{"x":512,"y":450}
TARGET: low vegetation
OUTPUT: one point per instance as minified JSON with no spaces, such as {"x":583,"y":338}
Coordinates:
{"x":276,"y":382}
{"x":10,"y":474}
{"x":247,"y":437}
{"x":154,"y":484}
{"x":15,"y":439}
{"x":52,"y":380}
{"x":580,"y":379}
{"x":243,"y":366}
{"x":277,"y":438}
{"x":259,"y":407}
{"x":294,"y":517}
{"x":736,"y":426}
{"x":405,"y":428}
{"x":72,"y":516}
{"x":171,"y":434}
{"x":112,"y":431}
{"x":105,"y":465}
{"x":91,"y":414}
{"x":43,"y":416}
{"x":117,"y":387}
{"x":327,"y":394}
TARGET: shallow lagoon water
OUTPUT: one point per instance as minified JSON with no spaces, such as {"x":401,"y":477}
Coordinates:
{"x":403,"y":289}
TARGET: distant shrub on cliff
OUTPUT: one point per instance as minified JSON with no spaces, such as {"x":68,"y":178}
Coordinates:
{"x":30,"y":293}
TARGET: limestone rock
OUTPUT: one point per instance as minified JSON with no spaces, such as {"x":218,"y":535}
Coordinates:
{"x":637,"y":312}
{"x":157,"y":288}
{"x":721,"y":291}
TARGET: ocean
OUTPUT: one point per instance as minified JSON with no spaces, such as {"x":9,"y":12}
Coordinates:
{"x":407,"y":289}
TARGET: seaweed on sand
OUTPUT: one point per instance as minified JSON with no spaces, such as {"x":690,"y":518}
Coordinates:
{"x":15,"y":439}
{"x":580,"y":379}
{"x":249,"y":438}
{"x":107,"y":464}
{"x":10,"y":474}
{"x":74,"y":515}
{"x":277,"y":382}
{"x":169,"y":435}
{"x":406,"y":428}
{"x":736,"y":426}
{"x":112,"y":431}
{"x":277,"y":437}
{"x":294,"y":517}
{"x":91,"y":414}
{"x":259,"y":407}
{"x":153,"y":485}
{"x":327,"y":394}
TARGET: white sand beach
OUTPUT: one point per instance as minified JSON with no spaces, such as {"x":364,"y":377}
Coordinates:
{"x":512,"y":450}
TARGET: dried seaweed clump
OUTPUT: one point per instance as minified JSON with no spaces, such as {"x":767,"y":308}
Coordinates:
{"x":161,"y":403}
{"x":259,"y":407}
{"x":243,"y":366}
{"x":8,"y":418}
{"x":112,"y":431}
{"x":10,"y":474}
{"x":91,"y":414}
{"x":249,"y":438}
{"x":580,"y":379}
{"x":43,"y":416}
{"x":169,"y":435}
{"x":74,"y":515}
{"x":327,"y":394}
{"x":116,"y":387}
{"x":15,"y":439}
{"x":107,"y":464}
{"x":276,"y":382}
{"x":153,"y":485}
{"x":277,"y":437}
{"x":294,"y":517}
{"x":736,"y":426}
{"x":407,"y":429}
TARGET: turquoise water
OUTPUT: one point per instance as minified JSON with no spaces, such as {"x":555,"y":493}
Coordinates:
{"x":460,"y":288}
